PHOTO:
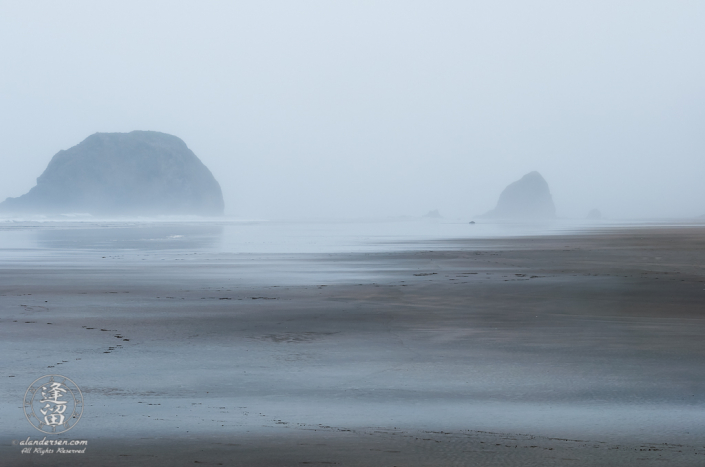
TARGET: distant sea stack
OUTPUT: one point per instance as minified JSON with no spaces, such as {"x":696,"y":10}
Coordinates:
{"x":526,"y":199}
{"x":136,"y":173}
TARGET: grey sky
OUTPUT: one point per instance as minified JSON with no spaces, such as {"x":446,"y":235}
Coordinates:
{"x":377,"y":108}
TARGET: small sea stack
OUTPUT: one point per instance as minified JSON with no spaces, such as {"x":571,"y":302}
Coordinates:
{"x":528,"y":199}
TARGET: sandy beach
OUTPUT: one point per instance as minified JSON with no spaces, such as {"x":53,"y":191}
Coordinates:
{"x":550,"y":350}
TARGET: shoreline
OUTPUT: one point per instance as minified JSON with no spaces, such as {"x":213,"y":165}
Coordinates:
{"x":506,"y":335}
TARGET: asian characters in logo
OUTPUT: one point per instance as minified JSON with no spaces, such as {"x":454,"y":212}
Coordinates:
{"x":53,"y":404}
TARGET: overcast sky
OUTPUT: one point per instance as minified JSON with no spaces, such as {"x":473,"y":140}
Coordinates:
{"x":380,"y":108}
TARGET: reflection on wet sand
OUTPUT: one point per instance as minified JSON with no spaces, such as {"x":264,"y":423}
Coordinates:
{"x":545,"y":350}
{"x":132,"y":237}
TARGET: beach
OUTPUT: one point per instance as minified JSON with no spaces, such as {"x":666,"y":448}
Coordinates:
{"x":572,"y":348}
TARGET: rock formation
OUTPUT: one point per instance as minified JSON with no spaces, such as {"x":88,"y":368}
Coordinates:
{"x":434,"y":214}
{"x":136,"y":173}
{"x":526,"y":199}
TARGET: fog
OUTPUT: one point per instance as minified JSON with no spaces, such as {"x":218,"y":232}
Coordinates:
{"x":374,"y":109}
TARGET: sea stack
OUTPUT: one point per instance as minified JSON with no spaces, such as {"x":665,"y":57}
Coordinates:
{"x":526,"y":199}
{"x":136,"y":173}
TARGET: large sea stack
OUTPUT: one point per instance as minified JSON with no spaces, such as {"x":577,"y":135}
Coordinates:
{"x":526,"y":199}
{"x":136,"y":173}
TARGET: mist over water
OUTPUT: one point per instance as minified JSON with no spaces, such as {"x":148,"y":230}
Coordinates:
{"x":240,"y":236}
{"x":266,"y":252}
{"x":270,"y":237}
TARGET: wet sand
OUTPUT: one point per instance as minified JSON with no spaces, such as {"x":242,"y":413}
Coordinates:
{"x":573,"y":350}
